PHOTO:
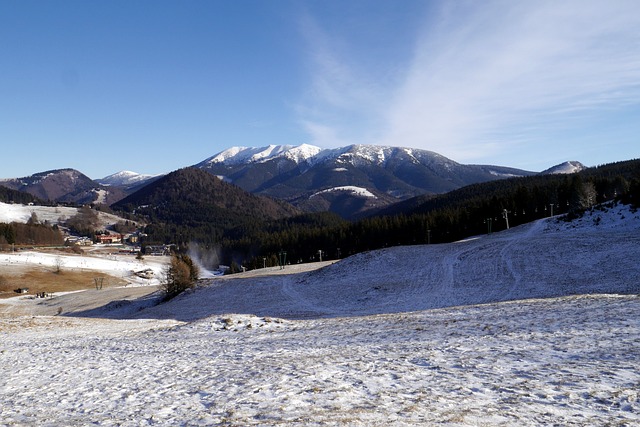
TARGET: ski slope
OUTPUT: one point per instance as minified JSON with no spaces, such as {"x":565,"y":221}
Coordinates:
{"x":539,"y":325}
{"x":547,"y":258}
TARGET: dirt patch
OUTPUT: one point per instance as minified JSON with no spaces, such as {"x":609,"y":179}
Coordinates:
{"x":38,"y":280}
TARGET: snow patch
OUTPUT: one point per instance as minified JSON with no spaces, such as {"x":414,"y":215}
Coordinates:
{"x":101,"y":195}
{"x":125,"y":178}
{"x":358,"y":191}
{"x":503,"y":175}
{"x":240,"y":155}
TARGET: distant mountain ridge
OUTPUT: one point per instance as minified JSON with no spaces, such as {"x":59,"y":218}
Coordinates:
{"x":240,"y":155}
{"x":564,"y":168}
{"x":64,"y":185}
{"x":124,"y":178}
{"x":128,"y":181}
{"x":347,"y":180}
{"x":300,"y":174}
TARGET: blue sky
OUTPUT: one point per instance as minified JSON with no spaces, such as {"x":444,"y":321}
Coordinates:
{"x":153,"y":86}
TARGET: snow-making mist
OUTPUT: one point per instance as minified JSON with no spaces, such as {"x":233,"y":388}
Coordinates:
{"x":206,"y":259}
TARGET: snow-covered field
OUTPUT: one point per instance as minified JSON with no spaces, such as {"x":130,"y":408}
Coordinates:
{"x":52,"y":214}
{"x":403,"y":336}
{"x":115,"y":264}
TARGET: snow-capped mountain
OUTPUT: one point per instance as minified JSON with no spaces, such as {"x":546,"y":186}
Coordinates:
{"x":128,"y":181}
{"x":565,"y":168}
{"x":243,"y":155}
{"x":300,"y":174}
{"x":305,"y":153}
{"x":125,"y":178}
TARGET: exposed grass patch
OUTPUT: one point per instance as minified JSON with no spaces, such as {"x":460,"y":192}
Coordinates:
{"x":45,"y":280}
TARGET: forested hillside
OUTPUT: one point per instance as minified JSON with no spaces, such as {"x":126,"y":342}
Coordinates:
{"x":193,"y":206}
{"x":9,"y":195}
{"x":469,"y":211}
{"x":31,"y":233}
{"x":190,"y":205}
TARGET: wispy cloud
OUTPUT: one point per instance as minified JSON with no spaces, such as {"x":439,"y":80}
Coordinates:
{"x":486,"y":77}
{"x":489,"y":71}
{"x":344,"y":99}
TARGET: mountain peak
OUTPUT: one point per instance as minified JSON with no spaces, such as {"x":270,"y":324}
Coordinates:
{"x":242,"y":155}
{"x":565,"y":168}
{"x":124,"y":178}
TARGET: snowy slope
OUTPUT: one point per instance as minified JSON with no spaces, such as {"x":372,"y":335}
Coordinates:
{"x":52,"y":214}
{"x":240,"y":155}
{"x":352,"y":344}
{"x":125,"y":178}
{"x":544,"y":259}
{"x":358,"y":191}
{"x":567,"y":361}
{"x":565,"y":168}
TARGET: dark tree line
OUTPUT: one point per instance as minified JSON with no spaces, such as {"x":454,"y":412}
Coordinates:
{"x":29,"y":234}
{"x":8,"y":195}
{"x":85,"y":222}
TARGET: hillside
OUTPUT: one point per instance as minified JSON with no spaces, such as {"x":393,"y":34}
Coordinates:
{"x":64,"y":185}
{"x":547,"y":258}
{"x":192,"y":204}
{"x":530,"y":194}
{"x":551,"y":257}
{"x":328,"y":358}
{"x":471,"y":210}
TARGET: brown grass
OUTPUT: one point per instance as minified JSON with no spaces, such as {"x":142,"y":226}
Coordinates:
{"x":43,"y":280}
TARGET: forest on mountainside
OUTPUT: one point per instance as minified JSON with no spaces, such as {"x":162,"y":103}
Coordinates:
{"x":8,"y":195}
{"x":472,"y":210}
{"x":191,"y":205}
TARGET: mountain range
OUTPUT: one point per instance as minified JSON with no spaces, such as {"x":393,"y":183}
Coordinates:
{"x":346,"y":180}
{"x":65,"y":186}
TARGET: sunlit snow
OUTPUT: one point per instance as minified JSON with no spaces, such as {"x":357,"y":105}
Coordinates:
{"x":358,"y":191}
{"x":403,"y":336}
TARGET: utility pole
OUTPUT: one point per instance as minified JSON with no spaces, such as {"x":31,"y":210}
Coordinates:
{"x":283,"y":259}
{"x":505,"y":215}
{"x":488,"y":221}
{"x":551,"y":204}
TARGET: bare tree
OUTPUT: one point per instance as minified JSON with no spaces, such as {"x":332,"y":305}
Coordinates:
{"x":59,"y":262}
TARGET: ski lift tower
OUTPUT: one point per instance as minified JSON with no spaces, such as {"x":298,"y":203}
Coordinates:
{"x":505,"y":215}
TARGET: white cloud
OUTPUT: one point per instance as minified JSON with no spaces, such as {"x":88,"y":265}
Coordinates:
{"x":485,"y":77}
{"x":493,"y":74}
